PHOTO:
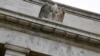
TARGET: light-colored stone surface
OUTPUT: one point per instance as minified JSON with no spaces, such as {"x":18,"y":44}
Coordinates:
{"x":13,"y":53}
{"x":82,"y":23}
{"x":36,"y":43}
{"x":21,"y":6}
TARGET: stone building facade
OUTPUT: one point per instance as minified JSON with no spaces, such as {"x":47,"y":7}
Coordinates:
{"x":47,"y":28}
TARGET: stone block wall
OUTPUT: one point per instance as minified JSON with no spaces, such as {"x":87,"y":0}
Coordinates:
{"x":42,"y":45}
{"x":21,"y":6}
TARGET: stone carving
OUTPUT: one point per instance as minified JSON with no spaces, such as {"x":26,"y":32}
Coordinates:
{"x":53,"y":12}
{"x":58,"y":16}
{"x":45,"y":11}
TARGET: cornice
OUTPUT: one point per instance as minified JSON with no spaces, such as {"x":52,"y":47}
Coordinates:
{"x":48,"y":26}
{"x":49,"y":30}
{"x":73,"y":10}
{"x":49,"y":23}
{"x":79,"y":12}
{"x":50,"y":33}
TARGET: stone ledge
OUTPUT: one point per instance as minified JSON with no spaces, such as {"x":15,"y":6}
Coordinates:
{"x":49,"y":23}
{"x":59,"y":38}
{"x":25,"y":24}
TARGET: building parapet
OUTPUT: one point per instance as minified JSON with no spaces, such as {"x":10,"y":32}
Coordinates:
{"x":71,"y":10}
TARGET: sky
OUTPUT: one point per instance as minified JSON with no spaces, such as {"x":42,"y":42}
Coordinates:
{"x":90,"y":5}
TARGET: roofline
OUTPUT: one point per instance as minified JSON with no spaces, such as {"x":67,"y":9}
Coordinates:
{"x":79,"y":12}
{"x":72,"y":10}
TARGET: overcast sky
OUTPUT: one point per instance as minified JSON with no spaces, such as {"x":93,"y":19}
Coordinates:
{"x":91,"y":5}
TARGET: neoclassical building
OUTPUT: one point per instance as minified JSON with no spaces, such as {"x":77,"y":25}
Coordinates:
{"x":47,"y":28}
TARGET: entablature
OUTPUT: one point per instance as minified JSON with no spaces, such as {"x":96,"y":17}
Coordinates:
{"x":49,"y":26}
{"x":74,"y":20}
{"x":49,"y":30}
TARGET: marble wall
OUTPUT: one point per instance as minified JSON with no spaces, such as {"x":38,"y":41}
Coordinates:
{"x":31,"y":9}
{"x":82,"y":23}
{"x":21,"y":6}
{"x":39,"y":44}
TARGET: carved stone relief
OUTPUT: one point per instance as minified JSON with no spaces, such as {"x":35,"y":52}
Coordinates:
{"x":53,"y":12}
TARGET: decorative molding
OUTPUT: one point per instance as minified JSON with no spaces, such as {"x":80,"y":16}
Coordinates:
{"x":73,"y":10}
{"x":30,"y":25}
{"x":46,"y":22}
{"x":53,"y":31}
